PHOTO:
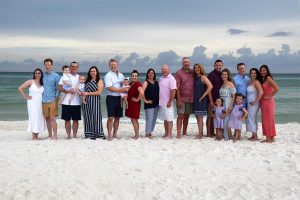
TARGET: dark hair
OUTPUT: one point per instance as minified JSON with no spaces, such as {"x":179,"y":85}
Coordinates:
{"x":112,"y":60}
{"x":147,"y":74}
{"x":258,"y":76}
{"x":239,"y":95}
{"x":239,"y":64}
{"x":263,"y":79}
{"x":64,"y":67}
{"x":221,"y":100}
{"x":89,"y":77}
{"x":228,"y":74}
{"x":48,"y":60}
{"x":219,"y":61}
{"x":41,"y":80}
{"x":74,"y":62}
{"x":135,"y":71}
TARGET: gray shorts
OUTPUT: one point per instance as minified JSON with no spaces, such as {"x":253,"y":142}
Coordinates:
{"x":186,"y":108}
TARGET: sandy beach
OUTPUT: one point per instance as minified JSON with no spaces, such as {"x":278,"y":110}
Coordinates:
{"x":147,"y":169}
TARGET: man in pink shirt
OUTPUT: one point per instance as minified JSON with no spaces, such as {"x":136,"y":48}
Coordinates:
{"x":184,"y":96}
{"x":167,"y":92}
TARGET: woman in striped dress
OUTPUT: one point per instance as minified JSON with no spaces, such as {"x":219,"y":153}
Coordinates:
{"x":92,"y":108}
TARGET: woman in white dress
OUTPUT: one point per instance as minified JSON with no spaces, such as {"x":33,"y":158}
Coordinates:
{"x":36,"y":121}
{"x":227,"y":93}
{"x":254,"y":94}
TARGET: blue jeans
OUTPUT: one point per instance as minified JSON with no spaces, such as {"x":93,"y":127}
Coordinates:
{"x":151,"y":116}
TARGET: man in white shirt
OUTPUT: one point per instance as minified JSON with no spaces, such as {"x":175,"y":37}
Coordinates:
{"x":113,"y":83}
{"x":71,"y":111}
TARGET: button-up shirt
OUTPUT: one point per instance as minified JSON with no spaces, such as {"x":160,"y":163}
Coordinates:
{"x":113,"y":79}
{"x":216,"y":81}
{"x":50,"y":82}
{"x":241,"y":83}
{"x":166,"y":85}
{"x":185,"y":85}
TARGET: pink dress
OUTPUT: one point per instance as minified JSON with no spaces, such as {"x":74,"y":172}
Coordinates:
{"x":267,"y":112}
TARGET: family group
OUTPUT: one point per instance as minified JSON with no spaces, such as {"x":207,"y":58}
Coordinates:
{"x":226,"y":101}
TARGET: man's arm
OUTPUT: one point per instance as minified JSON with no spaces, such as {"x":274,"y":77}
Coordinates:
{"x":172,"y":96}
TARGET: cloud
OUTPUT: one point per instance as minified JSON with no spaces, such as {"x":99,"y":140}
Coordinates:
{"x":280,"y":34}
{"x":234,"y":31}
{"x":283,"y":60}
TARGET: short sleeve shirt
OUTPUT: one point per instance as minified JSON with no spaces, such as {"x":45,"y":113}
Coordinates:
{"x":112,"y":79}
{"x":241,"y":83}
{"x":185,"y":84}
{"x":166,"y":85}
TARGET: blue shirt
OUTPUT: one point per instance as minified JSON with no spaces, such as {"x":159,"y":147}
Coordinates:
{"x":241,"y":83}
{"x":50,"y":82}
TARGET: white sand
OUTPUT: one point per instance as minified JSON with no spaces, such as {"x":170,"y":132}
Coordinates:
{"x":147,"y":169}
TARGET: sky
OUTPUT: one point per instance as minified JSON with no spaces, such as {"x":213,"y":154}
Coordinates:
{"x":145,"y":34}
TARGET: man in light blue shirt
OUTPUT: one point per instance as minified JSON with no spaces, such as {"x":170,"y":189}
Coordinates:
{"x":50,"y":98}
{"x":241,"y":81}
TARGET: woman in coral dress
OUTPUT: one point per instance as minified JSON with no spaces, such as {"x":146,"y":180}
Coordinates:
{"x":270,"y":88}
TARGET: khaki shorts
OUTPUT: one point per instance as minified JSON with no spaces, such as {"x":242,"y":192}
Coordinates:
{"x":50,"y":109}
{"x":186,"y":108}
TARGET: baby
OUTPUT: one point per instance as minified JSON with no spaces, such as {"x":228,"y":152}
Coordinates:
{"x":67,"y":83}
{"x":125,"y":84}
{"x":80,"y":88}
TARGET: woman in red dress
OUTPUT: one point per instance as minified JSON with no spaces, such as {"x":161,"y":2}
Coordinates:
{"x":135,"y":94}
{"x":267,"y":104}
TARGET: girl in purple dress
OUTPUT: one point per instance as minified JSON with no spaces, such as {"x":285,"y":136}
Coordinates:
{"x":218,"y":115}
{"x":238,"y":114}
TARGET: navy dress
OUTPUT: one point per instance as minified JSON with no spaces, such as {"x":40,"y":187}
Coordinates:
{"x":200,"y":108}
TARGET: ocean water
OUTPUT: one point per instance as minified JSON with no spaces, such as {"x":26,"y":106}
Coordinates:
{"x":13,"y":106}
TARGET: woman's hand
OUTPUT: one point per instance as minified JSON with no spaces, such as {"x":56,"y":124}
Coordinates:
{"x":27,"y":97}
{"x":134,"y":99}
{"x":267,"y":97}
{"x":253,"y":103}
{"x":148,"y":101}
{"x":200,"y":99}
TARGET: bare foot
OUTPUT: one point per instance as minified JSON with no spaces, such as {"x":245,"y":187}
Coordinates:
{"x":135,"y":137}
{"x":69,"y":138}
{"x":149,"y":136}
{"x":178,"y":136}
{"x":117,"y":137}
{"x":168,"y":137}
{"x":53,"y":138}
{"x":253,"y":139}
{"x":110,"y":138}
{"x":199,"y":136}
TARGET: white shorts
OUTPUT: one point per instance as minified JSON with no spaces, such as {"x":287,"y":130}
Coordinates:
{"x":166,"y":114}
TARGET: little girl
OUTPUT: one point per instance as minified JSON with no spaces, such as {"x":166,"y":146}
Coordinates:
{"x":80,"y":88}
{"x":238,"y":114}
{"x":218,"y":115}
{"x":67,"y":83}
{"x":125,"y":84}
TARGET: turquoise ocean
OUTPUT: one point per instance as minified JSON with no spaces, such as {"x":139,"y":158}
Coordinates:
{"x":13,"y":106}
